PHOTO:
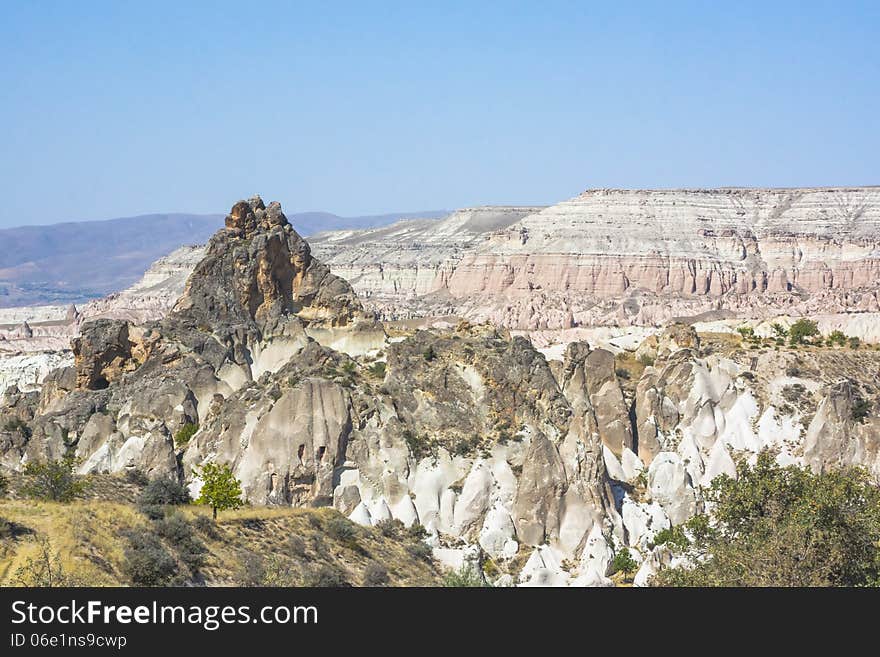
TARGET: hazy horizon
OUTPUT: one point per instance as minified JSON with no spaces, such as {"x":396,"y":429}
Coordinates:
{"x":121,"y":110}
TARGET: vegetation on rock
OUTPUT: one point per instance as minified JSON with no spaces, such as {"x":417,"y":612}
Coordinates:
{"x":782,"y":526}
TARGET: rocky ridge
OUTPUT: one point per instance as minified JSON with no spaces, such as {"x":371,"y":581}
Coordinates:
{"x":542,"y":467}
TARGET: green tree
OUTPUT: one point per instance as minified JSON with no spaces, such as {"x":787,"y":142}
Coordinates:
{"x":802,"y":329}
{"x":53,"y":480}
{"x":623,"y":562}
{"x":783,"y":526}
{"x":220,"y":489}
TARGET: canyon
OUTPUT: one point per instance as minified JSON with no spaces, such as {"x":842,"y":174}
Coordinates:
{"x":544,"y":449}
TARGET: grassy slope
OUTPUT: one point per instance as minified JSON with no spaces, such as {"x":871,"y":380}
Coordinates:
{"x":89,"y":535}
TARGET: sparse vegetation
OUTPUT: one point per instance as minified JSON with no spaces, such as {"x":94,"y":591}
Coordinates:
{"x":164,"y":491}
{"x":646,"y":360}
{"x":54,"y":480}
{"x":861,"y":408}
{"x":375,"y":574}
{"x":836,"y":338}
{"x":624,"y":563}
{"x":784,"y":526}
{"x":418,"y":446}
{"x":779,"y":331}
{"x":429,"y":353}
{"x":465,"y":577}
{"x":147,"y":561}
{"x":377,"y":370}
{"x":43,"y":570}
{"x":185,"y":434}
{"x":343,"y":530}
{"x":4,"y":485}
{"x":326,"y":576}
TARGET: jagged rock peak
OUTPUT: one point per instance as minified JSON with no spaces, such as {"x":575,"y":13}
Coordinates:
{"x":258,"y":268}
{"x":247,"y":217}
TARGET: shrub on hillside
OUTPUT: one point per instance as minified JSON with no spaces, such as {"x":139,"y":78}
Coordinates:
{"x":147,"y":561}
{"x":375,"y":574}
{"x":53,"y":480}
{"x":164,"y":491}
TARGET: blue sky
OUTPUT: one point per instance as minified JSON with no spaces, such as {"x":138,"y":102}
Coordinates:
{"x":121,"y":108}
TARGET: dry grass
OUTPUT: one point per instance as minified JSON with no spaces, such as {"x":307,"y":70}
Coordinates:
{"x":90,"y":537}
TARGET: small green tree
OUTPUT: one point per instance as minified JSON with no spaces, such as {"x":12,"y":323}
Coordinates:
{"x":220,"y":489}
{"x":802,"y":329}
{"x":53,"y":480}
{"x":624,"y":563}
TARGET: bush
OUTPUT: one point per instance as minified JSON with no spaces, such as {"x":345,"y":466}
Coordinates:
{"x":779,"y":331}
{"x":147,"y":562}
{"x":184,"y":434}
{"x":673,"y":537}
{"x":801,"y":330}
{"x":206,"y":526}
{"x":646,"y":360}
{"x":18,"y":425}
{"x":429,"y":354}
{"x":861,"y":408}
{"x":153,"y":511}
{"x":342,"y":530}
{"x":420,"y":550}
{"x":375,"y":574}
{"x":390,"y":527}
{"x":136,"y":477}
{"x":417,"y":446}
{"x":854,"y":342}
{"x":296,"y":546}
{"x":44,"y":570}
{"x":377,"y":370}
{"x":326,"y":576}
{"x":164,"y":491}
{"x":793,"y":371}
{"x":175,"y":529}
{"x":4,"y":485}
{"x":252,"y":571}
{"x":622,"y":373}
{"x":465,"y":577}
{"x":837,"y":337}
{"x":53,"y":480}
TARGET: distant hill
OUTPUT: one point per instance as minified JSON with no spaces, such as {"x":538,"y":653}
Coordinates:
{"x":76,"y":261}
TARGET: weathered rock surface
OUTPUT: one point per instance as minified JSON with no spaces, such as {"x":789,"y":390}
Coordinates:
{"x":630,"y":257}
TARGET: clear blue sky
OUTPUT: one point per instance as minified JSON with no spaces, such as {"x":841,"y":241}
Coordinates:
{"x":119,"y":108}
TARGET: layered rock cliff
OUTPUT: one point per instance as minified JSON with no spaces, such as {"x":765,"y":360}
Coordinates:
{"x":635,"y":257}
